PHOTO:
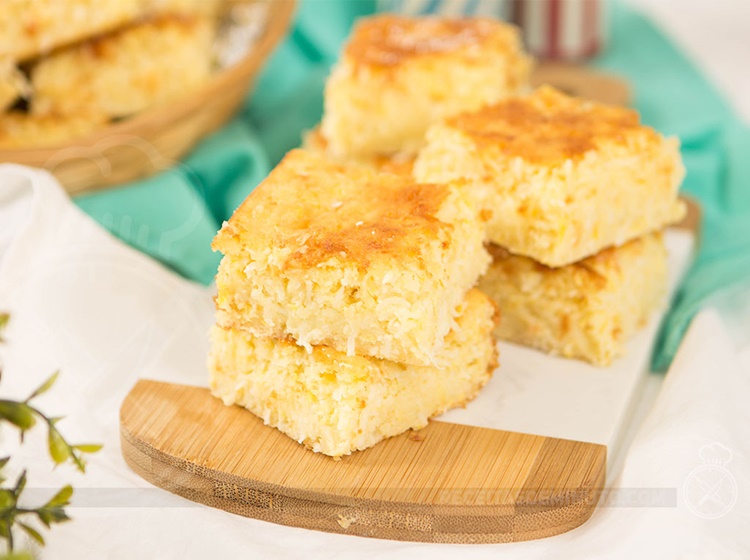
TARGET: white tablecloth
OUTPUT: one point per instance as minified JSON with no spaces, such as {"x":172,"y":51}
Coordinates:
{"x":105,"y":315}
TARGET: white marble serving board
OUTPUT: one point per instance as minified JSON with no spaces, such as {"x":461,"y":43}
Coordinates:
{"x":532,"y":392}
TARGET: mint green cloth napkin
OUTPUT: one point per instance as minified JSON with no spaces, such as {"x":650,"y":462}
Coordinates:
{"x":673,"y":97}
{"x":174,"y":215}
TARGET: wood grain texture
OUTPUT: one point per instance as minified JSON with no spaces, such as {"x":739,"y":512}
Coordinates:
{"x":693,"y":219}
{"x":446,"y":483}
{"x":157,"y":138}
{"x":583,"y":82}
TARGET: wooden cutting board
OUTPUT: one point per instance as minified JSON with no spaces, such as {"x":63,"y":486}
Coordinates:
{"x":446,"y":483}
{"x":583,"y":81}
{"x":450,"y":482}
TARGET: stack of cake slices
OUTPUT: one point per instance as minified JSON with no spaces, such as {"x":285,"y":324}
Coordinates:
{"x":346,"y":312}
{"x":70,"y":67}
{"x":576,"y":194}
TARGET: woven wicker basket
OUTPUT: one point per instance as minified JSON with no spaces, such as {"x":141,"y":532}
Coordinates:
{"x":153,"y":140}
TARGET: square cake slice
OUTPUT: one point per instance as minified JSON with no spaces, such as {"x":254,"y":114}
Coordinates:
{"x":561,"y":178}
{"x":585,"y":310}
{"x":398,"y":75}
{"x":366,"y":263}
{"x":334,"y":403}
{"x":135,"y":68}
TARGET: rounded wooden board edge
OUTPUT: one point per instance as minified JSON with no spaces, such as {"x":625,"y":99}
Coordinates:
{"x":334,"y":513}
{"x":583,"y":81}
{"x":693,"y":216}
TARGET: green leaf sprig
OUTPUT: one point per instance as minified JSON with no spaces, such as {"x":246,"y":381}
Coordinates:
{"x":13,"y":515}
{"x":24,"y":415}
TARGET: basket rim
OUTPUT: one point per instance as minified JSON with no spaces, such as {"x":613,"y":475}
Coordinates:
{"x":280,"y":15}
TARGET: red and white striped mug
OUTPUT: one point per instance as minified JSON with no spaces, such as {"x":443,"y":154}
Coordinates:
{"x":556,"y":29}
{"x":561,"y":29}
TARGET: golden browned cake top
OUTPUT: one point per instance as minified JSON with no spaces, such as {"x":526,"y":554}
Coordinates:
{"x":596,"y":269}
{"x":106,"y":47}
{"x":549,"y":126}
{"x":314,"y":210}
{"x":388,"y":40}
{"x":29,"y":28}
